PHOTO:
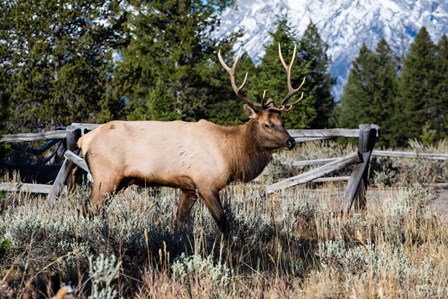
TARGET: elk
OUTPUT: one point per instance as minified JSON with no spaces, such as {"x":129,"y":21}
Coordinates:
{"x":200,"y":158}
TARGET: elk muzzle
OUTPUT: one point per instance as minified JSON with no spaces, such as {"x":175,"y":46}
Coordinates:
{"x":290,"y":142}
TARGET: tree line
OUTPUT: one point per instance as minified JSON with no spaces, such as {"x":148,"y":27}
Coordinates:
{"x":93,"y":61}
{"x":406,"y":95}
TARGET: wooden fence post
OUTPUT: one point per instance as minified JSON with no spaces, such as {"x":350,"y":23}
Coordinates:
{"x":73,"y":134}
{"x":355,"y":192}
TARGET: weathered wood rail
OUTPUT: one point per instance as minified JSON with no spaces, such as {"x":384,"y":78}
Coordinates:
{"x":313,"y":174}
{"x":29,"y":188}
{"x":29,"y":137}
{"x":48,"y":135}
{"x":376,"y":153}
{"x":321,"y":134}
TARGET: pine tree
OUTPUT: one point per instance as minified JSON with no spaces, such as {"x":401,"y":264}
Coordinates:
{"x":58,"y":60}
{"x":4,"y":93}
{"x":5,"y":56}
{"x":4,"y":97}
{"x":166,"y":69}
{"x":319,"y":81}
{"x":441,"y":89}
{"x":358,"y":90}
{"x":370,"y":92}
{"x":382,"y":100}
{"x":416,"y":91}
{"x":272,"y":76}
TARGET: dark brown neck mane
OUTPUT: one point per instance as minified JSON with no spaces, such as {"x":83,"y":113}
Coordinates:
{"x":246,"y":159}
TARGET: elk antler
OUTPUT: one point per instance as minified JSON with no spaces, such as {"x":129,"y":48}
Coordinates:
{"x":291,"y":91}
{"x":237,"y":89}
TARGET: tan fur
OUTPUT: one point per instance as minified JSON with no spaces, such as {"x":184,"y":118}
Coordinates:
{"x":197,"y":157}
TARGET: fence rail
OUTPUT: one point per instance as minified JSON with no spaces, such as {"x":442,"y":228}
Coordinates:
{"x":375,"y":153}
{"x":315,"y":173}
{"x":29,"y":137}
{"x":321,"y":134}
{"x":28,"y":188}
{"x":48,"y":135}
{"x":397,"y":154}
{"x":297,"y":134}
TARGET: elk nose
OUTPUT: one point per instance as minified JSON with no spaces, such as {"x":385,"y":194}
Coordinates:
{"x":290,"y":142}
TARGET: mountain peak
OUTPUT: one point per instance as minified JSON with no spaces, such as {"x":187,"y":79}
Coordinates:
{"x":343,"y":24}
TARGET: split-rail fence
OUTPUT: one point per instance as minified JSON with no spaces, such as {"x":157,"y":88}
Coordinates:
{"x":355,"y":191}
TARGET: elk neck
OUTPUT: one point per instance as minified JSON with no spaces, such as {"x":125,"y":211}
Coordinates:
{"x":245,"y":158}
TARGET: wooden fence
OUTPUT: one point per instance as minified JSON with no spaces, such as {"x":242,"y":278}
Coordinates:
{"x":354,"y":193}
{"x":357,"y":183}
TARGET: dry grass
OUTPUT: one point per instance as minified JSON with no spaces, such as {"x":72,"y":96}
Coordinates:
{"x":289,"y":245}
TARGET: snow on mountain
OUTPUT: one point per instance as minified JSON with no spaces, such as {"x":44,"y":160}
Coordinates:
{"x":343,"y":24}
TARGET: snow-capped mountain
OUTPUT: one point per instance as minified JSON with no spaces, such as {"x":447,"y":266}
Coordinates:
{"x":343,"y":24}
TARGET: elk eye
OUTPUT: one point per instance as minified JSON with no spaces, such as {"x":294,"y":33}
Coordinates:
{"x":267,"y":126}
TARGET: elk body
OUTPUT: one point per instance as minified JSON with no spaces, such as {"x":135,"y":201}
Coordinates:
{"x":200,"y":158}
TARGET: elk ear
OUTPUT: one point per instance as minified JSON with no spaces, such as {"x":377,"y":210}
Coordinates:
{"x":249,"y":111}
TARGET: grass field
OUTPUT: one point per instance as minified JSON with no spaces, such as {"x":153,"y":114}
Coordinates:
{"x":288,"y":245}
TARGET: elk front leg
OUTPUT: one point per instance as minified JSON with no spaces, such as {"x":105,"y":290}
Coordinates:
{"x":213,"y":204}
{"x":186,"y":202}
{"x":99,"y":191}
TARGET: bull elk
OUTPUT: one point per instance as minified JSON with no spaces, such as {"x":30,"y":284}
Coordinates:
{"x":200,"y":158}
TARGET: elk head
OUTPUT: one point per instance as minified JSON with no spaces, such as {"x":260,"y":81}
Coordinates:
{"x":271,"y":133}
